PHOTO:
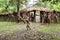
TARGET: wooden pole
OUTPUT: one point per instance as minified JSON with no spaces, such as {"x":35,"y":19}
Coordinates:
{"x":34,"y":14}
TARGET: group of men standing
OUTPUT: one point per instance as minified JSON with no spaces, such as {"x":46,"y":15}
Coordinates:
{"x":48,"y":17}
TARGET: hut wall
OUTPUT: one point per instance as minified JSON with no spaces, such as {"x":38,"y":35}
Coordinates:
{"x":58,"y":15}
{"x":8,"y":17}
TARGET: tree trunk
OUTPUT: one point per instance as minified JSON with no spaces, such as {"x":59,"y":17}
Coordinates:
{"x":18,"y":6}
{"x":18,"y":13}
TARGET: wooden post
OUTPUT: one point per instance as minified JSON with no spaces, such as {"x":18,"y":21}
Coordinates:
{"x":34,"y":14}
{"x":40,"y":17}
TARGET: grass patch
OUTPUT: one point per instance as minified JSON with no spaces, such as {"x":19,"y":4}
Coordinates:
{"x":3,"y":29}
{"x":54,"y":37}
{"x":7,"y":28}
{"x":57,"y":29}
{"x":48,"y":28}
{"x":6,"y":23}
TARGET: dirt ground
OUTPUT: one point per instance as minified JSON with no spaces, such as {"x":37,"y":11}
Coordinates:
{"x":21,"y":33}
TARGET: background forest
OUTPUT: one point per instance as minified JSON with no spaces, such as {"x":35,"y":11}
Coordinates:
{"x":15,"y":5}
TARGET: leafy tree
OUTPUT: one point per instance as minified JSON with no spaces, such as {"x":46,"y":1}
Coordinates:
{"x":53,"y":4}
{"x":18,"y":3}
{"x":13,"y":5}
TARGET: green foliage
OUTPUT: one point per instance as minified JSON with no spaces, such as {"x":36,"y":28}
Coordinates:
{"x":52,"y":4}
{"x":55,"y":7}
{"x":11,"y":5}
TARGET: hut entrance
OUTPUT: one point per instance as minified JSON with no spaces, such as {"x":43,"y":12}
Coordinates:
{"x":32,"y":16}
{"x":37,"y":18}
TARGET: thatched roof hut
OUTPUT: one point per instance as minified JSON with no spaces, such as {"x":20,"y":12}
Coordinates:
{"x":37,"y":9}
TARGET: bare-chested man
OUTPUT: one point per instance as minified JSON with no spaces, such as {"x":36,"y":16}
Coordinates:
{"x":26,"y":20}
{"x":55,"y":17}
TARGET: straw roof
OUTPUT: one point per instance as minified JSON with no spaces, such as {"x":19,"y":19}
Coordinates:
{"x":38,"y":9}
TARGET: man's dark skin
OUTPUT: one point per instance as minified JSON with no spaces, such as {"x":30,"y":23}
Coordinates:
{"x":25,"y":21}
{"x":55,"y":16}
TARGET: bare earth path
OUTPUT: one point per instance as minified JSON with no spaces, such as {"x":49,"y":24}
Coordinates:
{"x":20,"y":33}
